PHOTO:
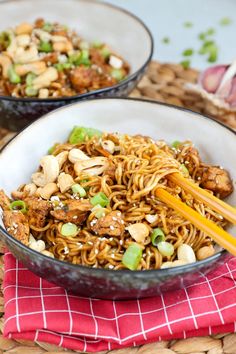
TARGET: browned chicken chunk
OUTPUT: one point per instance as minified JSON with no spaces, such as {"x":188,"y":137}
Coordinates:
{"x":111,"y":224}
{"x":38,"y":211}
{"x":4,"y":200}
{"x":74,"y":211}
{"x":215,"y":179}
{"x":17,"y":225}
{"x":191,"y":158}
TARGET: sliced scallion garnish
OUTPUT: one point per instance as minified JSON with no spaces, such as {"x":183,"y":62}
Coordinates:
{"x":157,"y":236}
{"x":78,"y":189}
{"x":45,"y":47}
{"x":176,"y":144}
{"x":101,"y":199}
{"x":13,"y":76}
{"x":188,"y":52}
{"x":79,"y":134}
{"x":69,"y":229}
{"x":184,"y":170}
{"x":18,"y":205}
{"x":165,"y":248}
{"x":132,"y":256}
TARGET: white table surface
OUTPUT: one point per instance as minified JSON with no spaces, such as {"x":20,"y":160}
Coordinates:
{"x":166,"y":18}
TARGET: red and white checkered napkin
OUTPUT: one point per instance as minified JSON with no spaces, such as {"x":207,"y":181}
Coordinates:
{"x":38,"y":310}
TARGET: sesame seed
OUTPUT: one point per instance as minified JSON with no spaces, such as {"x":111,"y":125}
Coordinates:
{"x":96,"y":251}
{"x":110,"y":266}
{"x":114,"y":218}
{"x":112,"y":227}
{"x":90,"y":243}
{"x":121,"y":242}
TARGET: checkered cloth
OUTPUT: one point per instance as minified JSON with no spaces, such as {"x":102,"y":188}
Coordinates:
{"x":39,"y":311}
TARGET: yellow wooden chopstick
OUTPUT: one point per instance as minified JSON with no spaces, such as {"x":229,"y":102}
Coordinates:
{"x":220,"y":236}
{"x":224,"y":209}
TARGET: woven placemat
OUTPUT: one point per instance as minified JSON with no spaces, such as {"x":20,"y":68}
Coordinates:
{"x":163,"y":83}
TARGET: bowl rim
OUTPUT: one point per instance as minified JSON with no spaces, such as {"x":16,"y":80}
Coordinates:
{"x":102,"y":90}
{"x":149,"y":273}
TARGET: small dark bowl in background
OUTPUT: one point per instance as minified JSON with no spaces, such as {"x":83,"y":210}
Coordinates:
{"x":123,"y":32}
{"x":125,"y":116}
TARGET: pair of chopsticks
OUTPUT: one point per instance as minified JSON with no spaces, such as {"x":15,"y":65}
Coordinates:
{"x":220,"y":236}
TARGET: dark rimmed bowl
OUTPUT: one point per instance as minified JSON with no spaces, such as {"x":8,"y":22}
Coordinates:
{"x":20,"y":158}
{"x":125,"y":33}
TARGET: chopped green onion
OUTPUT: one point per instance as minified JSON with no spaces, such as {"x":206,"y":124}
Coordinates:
{"x":98,"y":211}
{"x":188,"y":24}
{"x":188,"y":52}
{"x":5,"y":39}
{"x":205,"y":47}
{"x":213,"y":54}
{"x":80,"y":58}
{"x":18,"y":205}
{"x":52,"y":149}
{"x":185,"y":64}
{"x":13,"y":76}
{"x":101,"y":199}
{"x":97,"y":44}
{"x":210,"y":31}
{"x":105,"y":52}
{"x":202,"y":36}
{"x":48,"y":27}
{"x":225,"y":21}
{"x":77,"y":189}
{"x":45,"y":47}
{"x":63,"y":66}
{"x":117,"y":74}
{"x":184,"y":170}
{"x":30,"y":91}
{"x":30,"y":78}
{"x":166,"y":40}
{"x":165,"y":248}
{"x":69,"y":229}
{"x":132,"y":256}
{"x":176,"y":144}
{"x":79,"y":134}
{"x":157,"y":236}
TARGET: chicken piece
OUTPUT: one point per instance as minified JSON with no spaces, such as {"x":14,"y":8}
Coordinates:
{"x":73,"y":210}
{"x":17,"y":225}
{"x":4,"y":200}
{"x":38,"y":211}
{"x":216,"y":180}
{"x":111,"y":224}
{"x":83,"y":77}
{"x":191,"y":159}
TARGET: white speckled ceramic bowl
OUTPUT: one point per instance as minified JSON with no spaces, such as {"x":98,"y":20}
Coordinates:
{"x":20,"y":158}
{"x":93,"y":20}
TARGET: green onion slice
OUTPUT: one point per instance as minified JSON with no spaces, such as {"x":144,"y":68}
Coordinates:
{"x":99,"y":211}
{"x":30,"y":91}
{"x":188,"y":52}
{"x":13,"y":76}
{"x":69,"y":229}
{"x":78,"y":189}
{"x":176,"y":144}
{"x":101,"y":199}
{"x":165,"y":248}
{"x":45,"y":47}
{"x":184,"y":170}
{"x":105,"y":52}
{"x":52,"y":148}
{"x":132,"y":256}
{"x":18,"y":205}
{"x":157,"y":236}
{"x":117,"y":74}
{"x":79,"y":134}
{"x":48,"y":27}
{"x":30,"y":78}
{"x":185,"y":64}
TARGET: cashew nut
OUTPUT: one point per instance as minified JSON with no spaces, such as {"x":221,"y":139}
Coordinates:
{"x":108,"y":145}
{"x":17,"y":194}
{"x":38,"y":67}
{"x":24,"y":28}
{"x":22,"y":56}
{"x":43,"y":93}
{"x":65,"y":181}
{"x":43,"y":35}
{"x":5,"y":62}
{"x":62,"y":47}
{"x":62,"y":157}
{"x":205,"y":252}
{"x":138,"y":231}
{"x":93,"y":166}
{"x":30,"y":189}
{"x":151,"y":218}
{"x":47,"y":253}
{"x":77,"y":155}
{"x":47,"y":191}
{"x":176,"y":263}
{"x":45,"y":79}
{"x":50,"y":171}
{"x":37,"y":245}
{"x":185,"y":253}
{"x":56,"y":38}
{"x":23,"y":40}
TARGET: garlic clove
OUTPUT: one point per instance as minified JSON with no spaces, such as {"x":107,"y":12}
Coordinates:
{"x":211,"y":78}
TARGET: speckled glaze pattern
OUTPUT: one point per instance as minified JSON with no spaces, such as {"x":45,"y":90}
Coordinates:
{"x":122,"y":284}
{"x":17,"y":114}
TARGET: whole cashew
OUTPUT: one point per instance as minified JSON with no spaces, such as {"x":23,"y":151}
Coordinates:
{"x":38,"y":67}
{"x":61,"y":158}
{"x":5,"y":63}
{"x":43,"y":35}
{"x":30,"y":188}
{"x":65,"y":181}
{"x":62,"y":47}
{"x":47,"y":191}
{"x":50,"y":171}
{"x":77,"y":155}
{"x":45,"y":79}
{"x":23,"y":40}
{"x":93,"y":166}
{"x":22,"y":56}
{"x":23,"y":28}
{"x":43,"y":93}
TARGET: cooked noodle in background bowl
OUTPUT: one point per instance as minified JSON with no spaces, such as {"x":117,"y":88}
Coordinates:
{"x":160,"y":122}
